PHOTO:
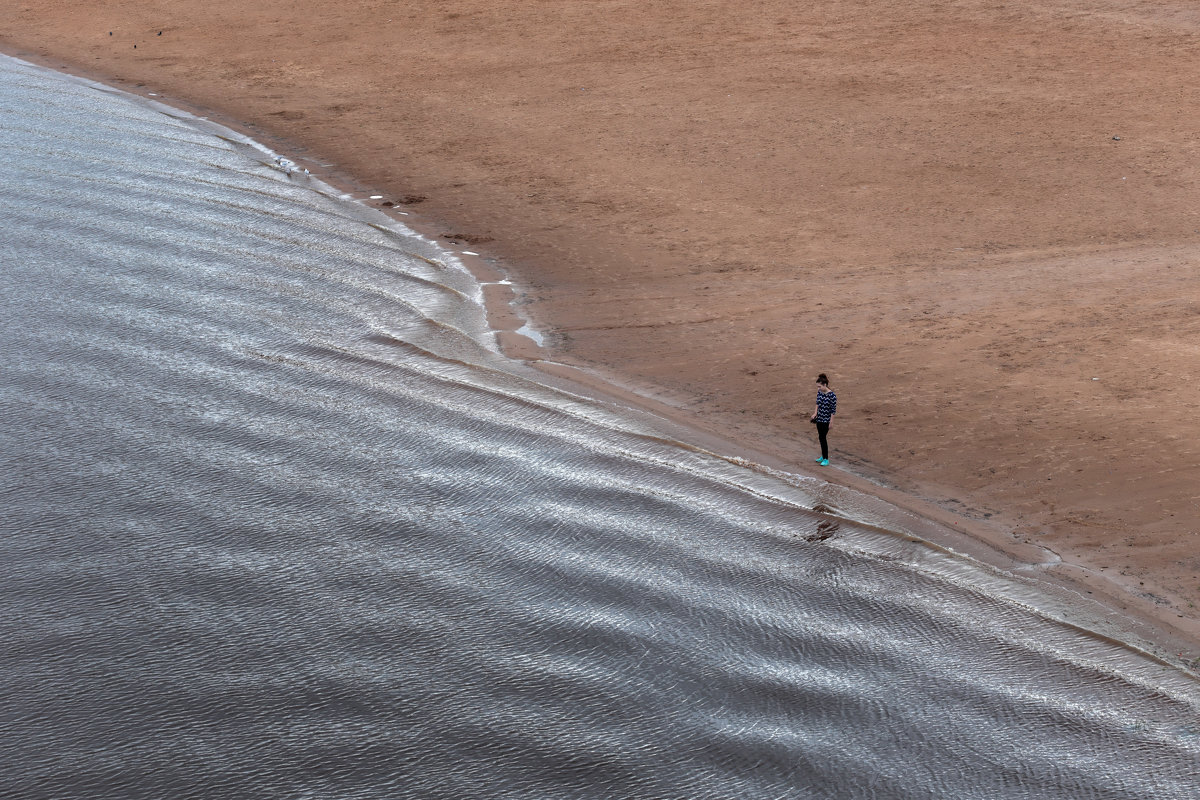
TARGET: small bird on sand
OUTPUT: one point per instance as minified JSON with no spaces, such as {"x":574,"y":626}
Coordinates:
{"x":288,"y":166}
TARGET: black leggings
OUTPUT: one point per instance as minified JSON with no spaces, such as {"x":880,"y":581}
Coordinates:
{"x":822,"y":432}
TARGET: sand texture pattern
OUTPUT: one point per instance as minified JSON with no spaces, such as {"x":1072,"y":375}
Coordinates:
{"x":981,"y":219}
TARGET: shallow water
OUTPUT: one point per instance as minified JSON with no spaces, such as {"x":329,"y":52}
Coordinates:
{"x":279,"y":522}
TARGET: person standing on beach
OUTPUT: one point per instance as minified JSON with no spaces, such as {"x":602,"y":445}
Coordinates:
{"x":822,"y":414}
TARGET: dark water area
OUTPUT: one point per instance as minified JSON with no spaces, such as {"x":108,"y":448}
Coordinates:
{"x":280,"y":522}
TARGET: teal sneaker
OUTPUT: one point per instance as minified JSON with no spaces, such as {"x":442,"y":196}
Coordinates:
{"x":824,"y":462}
{"x":819,"y":460}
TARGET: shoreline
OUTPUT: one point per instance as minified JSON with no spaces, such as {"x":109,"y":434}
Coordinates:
{"x":752,"y":441}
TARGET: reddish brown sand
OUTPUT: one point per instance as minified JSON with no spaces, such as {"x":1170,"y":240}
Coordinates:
{"x":981,"y":219}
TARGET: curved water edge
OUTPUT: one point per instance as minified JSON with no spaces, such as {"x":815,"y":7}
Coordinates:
{"x":284,"y":520}
{"x":902,"y":529}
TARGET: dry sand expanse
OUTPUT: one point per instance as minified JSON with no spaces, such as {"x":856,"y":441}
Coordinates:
{"x":981,"y":219}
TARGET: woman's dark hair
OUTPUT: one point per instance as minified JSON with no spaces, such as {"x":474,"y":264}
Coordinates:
{"x":821,"y":379}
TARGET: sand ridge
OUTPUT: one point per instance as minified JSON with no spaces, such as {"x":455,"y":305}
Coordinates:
{"x":979,"y":219}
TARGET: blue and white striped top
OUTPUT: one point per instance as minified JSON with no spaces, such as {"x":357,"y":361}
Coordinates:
{"x":826,"y":406}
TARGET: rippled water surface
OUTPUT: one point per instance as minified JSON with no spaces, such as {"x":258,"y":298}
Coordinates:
{"x":279,"y":523}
